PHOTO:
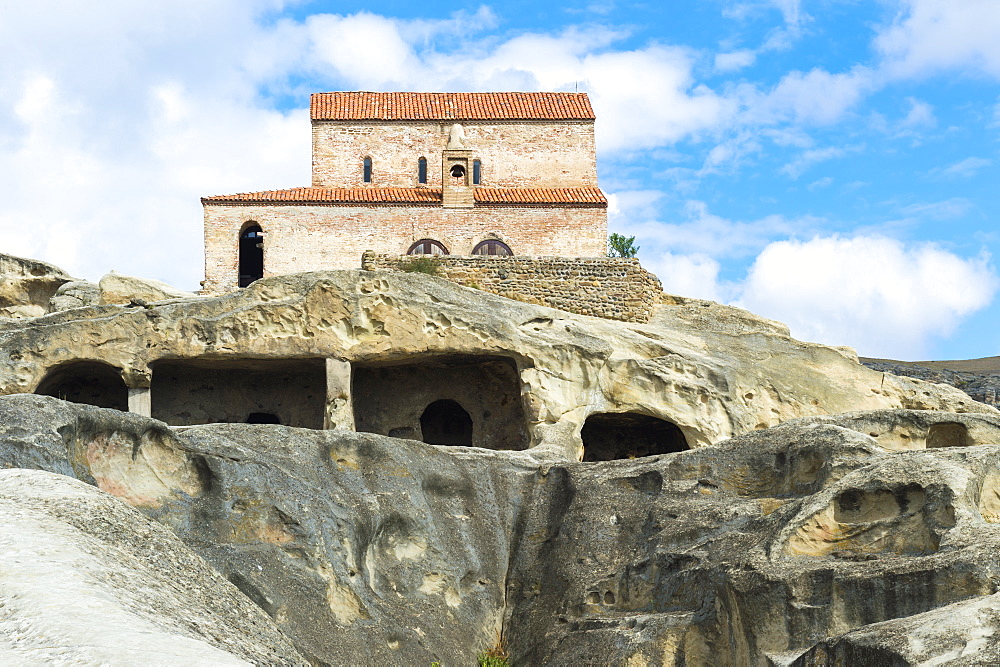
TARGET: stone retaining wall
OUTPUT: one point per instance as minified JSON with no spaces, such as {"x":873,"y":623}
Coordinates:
{"x":610,"y":287}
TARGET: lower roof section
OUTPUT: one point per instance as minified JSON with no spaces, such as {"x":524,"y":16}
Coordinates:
{"x":576,"y":197}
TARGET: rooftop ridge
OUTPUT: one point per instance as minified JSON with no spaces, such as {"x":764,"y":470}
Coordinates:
{"x":364,"y":105}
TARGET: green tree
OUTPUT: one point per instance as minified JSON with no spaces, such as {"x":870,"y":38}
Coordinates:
{"x":619,"y":246}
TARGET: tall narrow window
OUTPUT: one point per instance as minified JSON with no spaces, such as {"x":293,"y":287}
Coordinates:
{"x":477,"y":172}
{"x":422,"y":170}
{"x":368,"y":170}
{"x":251,"y":255}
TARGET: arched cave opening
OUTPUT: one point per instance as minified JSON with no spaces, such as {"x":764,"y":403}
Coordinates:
{"x":446,"y":422}
{"x":625,"y":435}
{"x":407,"y":398}
{"x":89,"y":382}
{"x":947,"y":434}
{"x":251,"y":255}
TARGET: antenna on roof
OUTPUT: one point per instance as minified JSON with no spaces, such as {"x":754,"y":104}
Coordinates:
{"x":577,"y":83}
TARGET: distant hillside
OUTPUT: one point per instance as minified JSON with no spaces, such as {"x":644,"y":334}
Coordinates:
{"x":979,"y":378}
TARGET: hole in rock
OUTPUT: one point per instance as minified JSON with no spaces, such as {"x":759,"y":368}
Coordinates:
{"x":948,"y":434}
{"x":263,"y":418}
{"x":446,"y":422}
{"x":254,"y":391}
{"x":857,"y":506}
{"x":89,"y":382}
{"x":624,"y":435}
{"x":419,"y":396}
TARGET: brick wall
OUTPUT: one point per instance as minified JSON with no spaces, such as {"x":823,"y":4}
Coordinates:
{"x":613,"y":288}
{"x":514,"y":154}
{"x":316,"y":237}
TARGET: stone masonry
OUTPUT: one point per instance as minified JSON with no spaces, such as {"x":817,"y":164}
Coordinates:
{"x":392,"y":170}
{"x":609,"y":287}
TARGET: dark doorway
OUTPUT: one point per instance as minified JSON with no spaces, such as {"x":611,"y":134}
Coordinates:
{"x":626,"y":435}
{"x":445,"y":422}
{"x":251,"y":255}
{"x":90,"y":382}
{"x":262,"y":418}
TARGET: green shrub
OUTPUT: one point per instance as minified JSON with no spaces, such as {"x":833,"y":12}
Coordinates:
{"x":494,"y":657}
{"x":426,"y":265}
{"x":620,"y":246}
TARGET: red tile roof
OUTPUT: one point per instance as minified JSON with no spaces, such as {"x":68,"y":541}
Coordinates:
{"x":586,"y":197}
{"x":450,"y":106}
{"x":513,"y":196}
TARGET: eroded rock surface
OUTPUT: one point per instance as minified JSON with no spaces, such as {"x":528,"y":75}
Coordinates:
{"x":711,"y":370}
{"x":88,"y":580}
{"x":118,"y":288}
{"x":805,"y":541}
{"x":26,"y":285}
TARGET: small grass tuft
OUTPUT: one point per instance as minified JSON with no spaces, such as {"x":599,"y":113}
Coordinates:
{"x":496,"y":656}
{"x":425,"y":265}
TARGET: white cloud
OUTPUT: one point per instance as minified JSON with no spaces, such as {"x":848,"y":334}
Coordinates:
{"x":808,"y":158}
{"x":970,"y":166}
{"x":949,"y":209}
{"x":932,"y":35}
{"x":816,"y":97}
{"x":694,"y":276}
{"x":876,"y":294}
{"x":734,"y":60}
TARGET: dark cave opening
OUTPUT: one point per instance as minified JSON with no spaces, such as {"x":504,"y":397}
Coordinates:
{"x":90,"y":382}
{"x":625,"y":435}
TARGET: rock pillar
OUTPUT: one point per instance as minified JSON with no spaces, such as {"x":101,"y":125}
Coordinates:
{"x":139,"y":401}
{"x":339,"y":412}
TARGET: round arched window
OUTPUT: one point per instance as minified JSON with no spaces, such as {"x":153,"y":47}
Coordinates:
{"x":427,"y":247}
{"x":492,"y":247}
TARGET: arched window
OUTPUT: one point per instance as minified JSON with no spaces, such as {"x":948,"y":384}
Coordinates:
{"x":427,"y":247}
{"x":422,"y":170}
{"x":445,"y":422}
{"x":477,"y":172}
{"x":492,"y":247}
{"x":90,"y":382}
{"x":368,"y":170}
{"x":251,"y":255}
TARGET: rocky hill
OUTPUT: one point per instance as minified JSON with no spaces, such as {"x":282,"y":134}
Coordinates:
{"x":980,"y":381}
{"x":700,"y":489}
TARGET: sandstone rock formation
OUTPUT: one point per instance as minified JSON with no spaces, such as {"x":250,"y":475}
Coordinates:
{"x":118,"y":288}
{"x":797,"y":544}
{"x":88,"y":580}
{"x":798,"y":507}
{"x":713,"y":371}
{"x":75,"y":294}
{"x":26,"y":285}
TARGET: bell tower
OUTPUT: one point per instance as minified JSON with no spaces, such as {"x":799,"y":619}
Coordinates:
{"x":456,"y":164}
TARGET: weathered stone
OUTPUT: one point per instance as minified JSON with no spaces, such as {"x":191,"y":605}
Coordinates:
{"x":713,"y":371}
{"x":26,"y":285}
{"x":88,"y":580}
{"x":117,"y":288}
{"x":75,"y":294}
{"x":806,"y":540}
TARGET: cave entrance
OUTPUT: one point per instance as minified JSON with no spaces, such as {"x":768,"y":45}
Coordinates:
{"x":252,"y":391}
{"x":90,"y":382}
{"x":625,"y":435}
{"x":251,"y":255}
{"x":442,"y":400}
{"x":947,"y":434}
{"x":445,"y":422}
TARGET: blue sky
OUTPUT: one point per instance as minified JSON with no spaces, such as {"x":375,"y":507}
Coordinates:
{"x":831,"y":164}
